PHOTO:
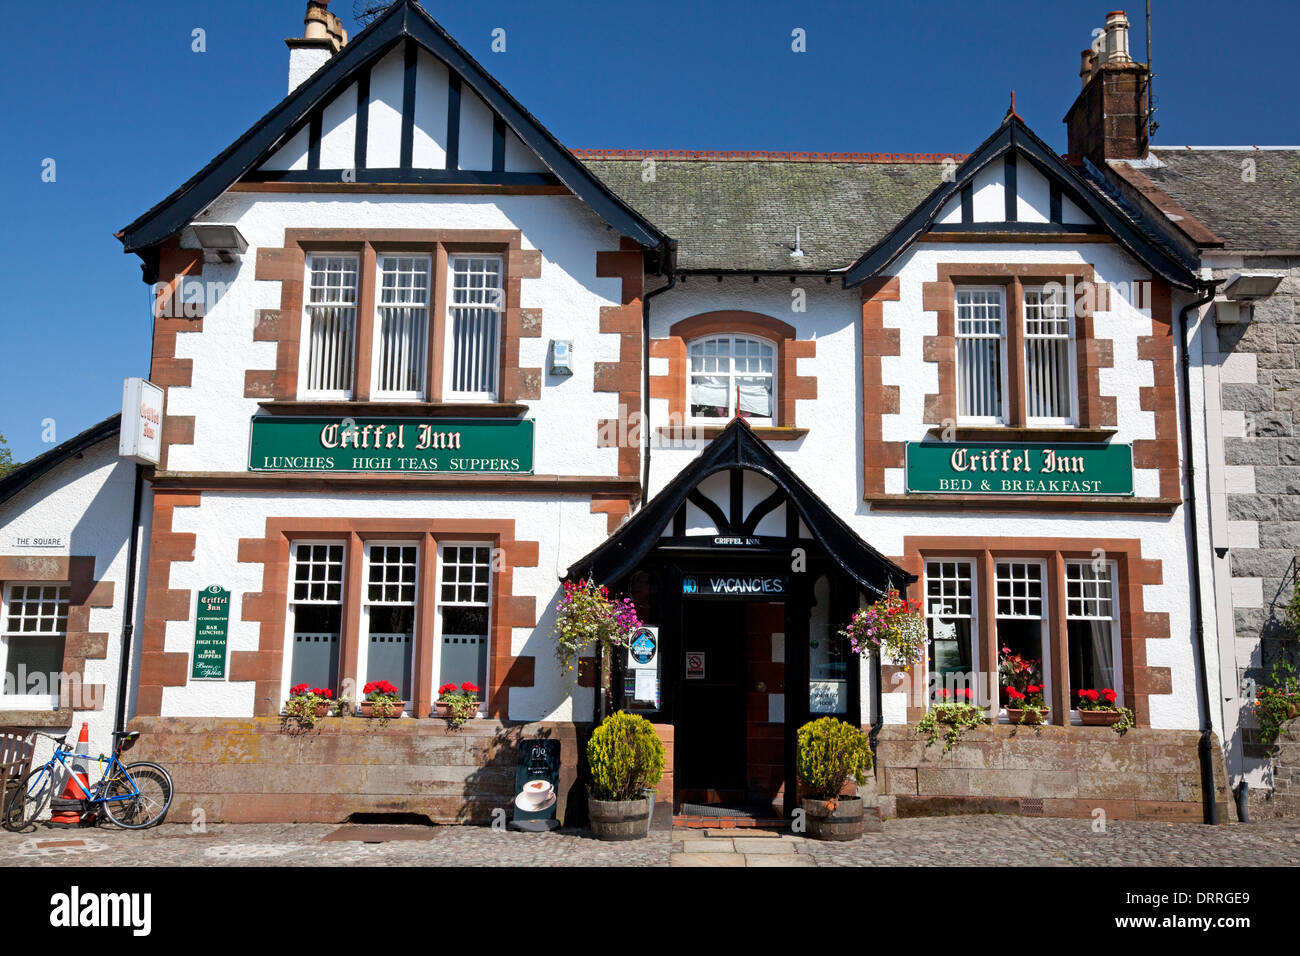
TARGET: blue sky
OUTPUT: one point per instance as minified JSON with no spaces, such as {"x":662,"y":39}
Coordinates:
{"x":115,"y":96}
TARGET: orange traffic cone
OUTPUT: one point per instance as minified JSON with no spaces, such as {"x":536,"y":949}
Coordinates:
{"x":67,"y":810}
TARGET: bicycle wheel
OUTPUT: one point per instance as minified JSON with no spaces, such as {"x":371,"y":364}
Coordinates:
{"x":28,"y":800}
{"x":146,"y":809}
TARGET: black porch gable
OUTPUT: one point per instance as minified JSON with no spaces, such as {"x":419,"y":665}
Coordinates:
{"x":737,"y":449}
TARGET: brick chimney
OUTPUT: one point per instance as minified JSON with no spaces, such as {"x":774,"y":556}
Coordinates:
{"x":1109,"y":118}
{"x":323,"y":36}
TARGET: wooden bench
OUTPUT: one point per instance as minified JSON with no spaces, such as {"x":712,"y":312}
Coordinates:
{"x":16,"y":749}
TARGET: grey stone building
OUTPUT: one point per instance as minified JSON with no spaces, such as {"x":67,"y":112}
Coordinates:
{"x":1239,"y":209}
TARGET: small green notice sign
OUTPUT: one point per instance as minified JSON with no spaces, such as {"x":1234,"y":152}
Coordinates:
{"x":963,"y":468}
{"x":392,"y":445}
{"x":211,"y":622}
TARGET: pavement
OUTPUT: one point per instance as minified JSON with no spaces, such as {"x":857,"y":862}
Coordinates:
{"x":930,"y":841}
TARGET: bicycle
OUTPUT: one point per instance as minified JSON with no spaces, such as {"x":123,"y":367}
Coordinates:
{"x":134,"y":797}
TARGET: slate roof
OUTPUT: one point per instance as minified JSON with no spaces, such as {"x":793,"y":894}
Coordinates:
{"x":1259,"y":215}
{"x":31,"y":471}
{"x":739,"y":215}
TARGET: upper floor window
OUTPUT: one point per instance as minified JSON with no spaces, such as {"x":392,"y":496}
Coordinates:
{"x":733,"y":375}
{"x":1049,"y":357}
{"x":331,"y":321}
{"x":474,"y":310}
{"x":401,"y":353}
{"x":388,"y":354}
{"x":981,"y":348}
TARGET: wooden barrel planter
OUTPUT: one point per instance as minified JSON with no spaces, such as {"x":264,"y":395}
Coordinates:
{"x":619,"y":819}
{"x":839,"y":821}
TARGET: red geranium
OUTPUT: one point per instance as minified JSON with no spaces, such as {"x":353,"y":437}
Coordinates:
{"x":965,"y":692}
{"x":469,"y":688}
{"x":446,"y":689}
{"x":380,"y":688}
{"x":297,"y":690}
{"x":943,"y":693}
{"x":1014,"y":694}
{"x":323,"y":692}
{"x":1109,"y":696}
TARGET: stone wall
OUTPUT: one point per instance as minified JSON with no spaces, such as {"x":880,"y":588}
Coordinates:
{"x":1049,"y":771}
{"x":1259,"y":360}
{"x":1283,"y":803}
{"x":250,"y":770}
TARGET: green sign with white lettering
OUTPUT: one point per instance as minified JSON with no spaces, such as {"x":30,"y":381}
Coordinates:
{"x":392,"y":445}
{"x":211,"y":621}
{"x":961,"y":468}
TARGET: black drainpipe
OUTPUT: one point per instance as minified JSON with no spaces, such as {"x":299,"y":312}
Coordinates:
{"x":1206,"y":749}
{"x":128,"y":607}
{"x":645,"y":380}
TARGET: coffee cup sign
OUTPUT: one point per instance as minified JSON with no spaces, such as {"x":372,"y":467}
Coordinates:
{"x":537,"y":782}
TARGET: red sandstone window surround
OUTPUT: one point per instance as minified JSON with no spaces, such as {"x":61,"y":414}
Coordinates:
{"x":398,"y":316}
{"x":712,"y":354}
{"x":420,"y":610}
{"x":1076,"y":606}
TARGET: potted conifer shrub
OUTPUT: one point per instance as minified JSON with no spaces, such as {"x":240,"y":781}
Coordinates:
{"x":830,"y":752}
{"x":624,"y":757}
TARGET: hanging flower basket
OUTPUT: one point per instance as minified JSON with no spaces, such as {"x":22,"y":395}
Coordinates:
{"x":587,"y":617}
{"x":892,"y":626}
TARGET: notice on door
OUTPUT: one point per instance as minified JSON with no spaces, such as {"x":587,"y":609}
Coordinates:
{"x":695,"y":665}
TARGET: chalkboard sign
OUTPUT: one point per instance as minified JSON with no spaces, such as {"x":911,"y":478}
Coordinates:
{"x":211,"y":622}
{"x":537,"y":785}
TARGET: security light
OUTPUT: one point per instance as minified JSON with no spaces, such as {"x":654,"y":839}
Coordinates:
{"x":221,"y":242}
{"x":1247,"y":286}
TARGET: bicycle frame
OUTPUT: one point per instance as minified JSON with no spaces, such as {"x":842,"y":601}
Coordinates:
{"x":96,"y":792}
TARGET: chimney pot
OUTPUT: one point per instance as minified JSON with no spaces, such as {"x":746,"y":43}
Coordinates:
{"x":1086,"y":65}
{"x":323,"y":36}
{"x":1114,"y":41}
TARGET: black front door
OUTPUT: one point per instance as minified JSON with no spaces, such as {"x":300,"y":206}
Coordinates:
{"x":710,"y":734}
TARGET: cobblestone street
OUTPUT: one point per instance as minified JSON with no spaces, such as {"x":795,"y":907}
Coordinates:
{"x":945,"y":841}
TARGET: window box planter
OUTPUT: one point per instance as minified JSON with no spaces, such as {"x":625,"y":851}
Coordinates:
{"x":838,"y":820}
{"x":1099,"y":718}
{"x":382,"y":709}
{"x":1027,"y":717}
{"x":448,"y":712}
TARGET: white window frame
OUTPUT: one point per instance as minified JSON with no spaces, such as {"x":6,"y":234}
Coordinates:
{"x":450,"y":394}
{"x":1116,"y":645}
{"x":376,"y":345}
{"x":364,"y":612}
{"x":49,"y":701}
{"x":439,"y":604}
{"x":1003,"y":385}
{"x":1072,"y":370}
{"x":974,"y":618}
{"x":1044,"y":628}
{"x":290,"y":605}
{"x":304,"y":347}
{"x":732,"y":338}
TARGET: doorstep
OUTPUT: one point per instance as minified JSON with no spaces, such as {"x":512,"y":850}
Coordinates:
{"x":692,"y":822}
